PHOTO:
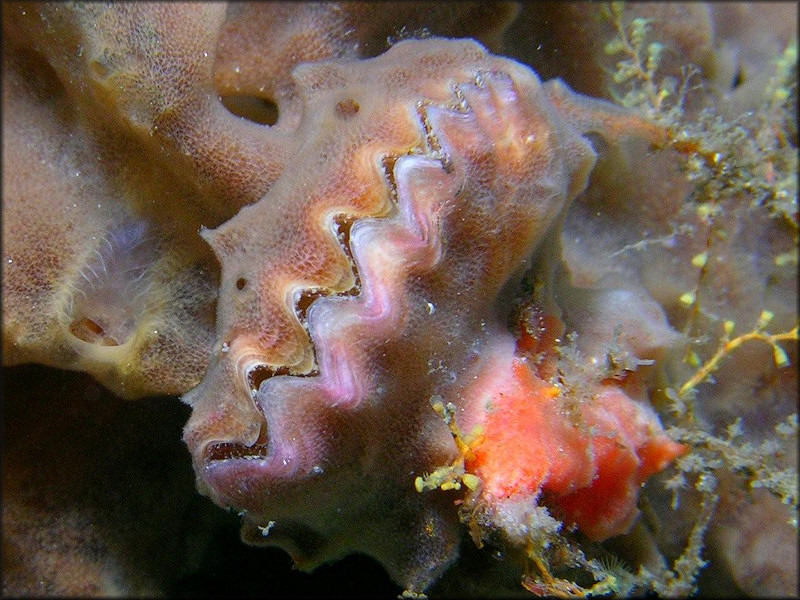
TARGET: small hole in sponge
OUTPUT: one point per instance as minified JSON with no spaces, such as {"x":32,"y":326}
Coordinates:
{"x":258,"y":110}
{"x":738,"y":78}
{"x":347,"y":108}
{"x":91,"y":332}
{"x":241,"y":283}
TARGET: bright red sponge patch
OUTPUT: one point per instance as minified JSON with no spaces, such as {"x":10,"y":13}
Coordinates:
{"x":585,"y":459}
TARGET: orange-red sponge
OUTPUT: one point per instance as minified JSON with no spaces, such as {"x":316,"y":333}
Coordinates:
{"x":585,"y":459}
